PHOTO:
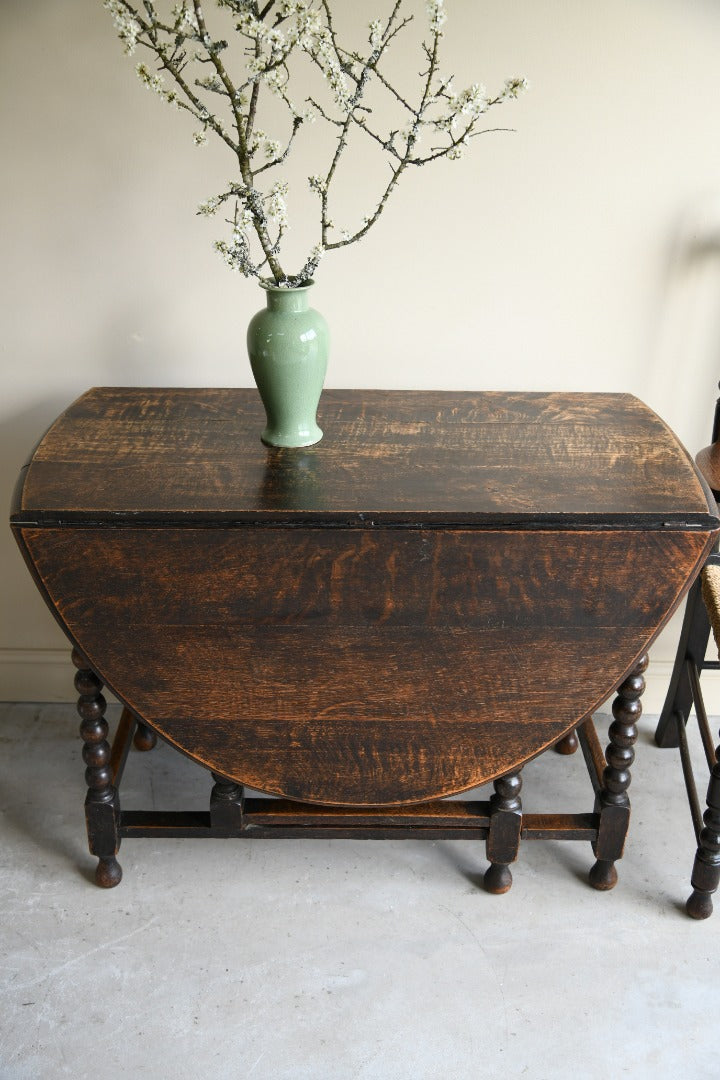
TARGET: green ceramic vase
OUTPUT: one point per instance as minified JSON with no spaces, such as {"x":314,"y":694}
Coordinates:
{"x":288,"y":346}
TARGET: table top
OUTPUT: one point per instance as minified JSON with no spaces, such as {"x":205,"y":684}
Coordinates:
{"x":438,"y":591}
{"x":388,"y":457}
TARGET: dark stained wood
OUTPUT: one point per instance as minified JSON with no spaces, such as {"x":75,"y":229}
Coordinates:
{"x":226,"y":804}
{"x":102,"y":806}
{"x":612,"y":801}
{"x":706,"y":868}
{"x":306,"y":577}
{"x":418,"y":456}
{"x":457,"y":813}
{"x":121,"y":745}
{"x":691,"y":650}
{"x":362,"y":666}
{"x":262,"y":821}
{"x":559,"y":827}
{"x":444,"y":587}
{"x":503,"y":839}
{"x":145,"y":738}
{"x":568,"y":744}
{"x":685,"y":696}
{"x":592,"y":752}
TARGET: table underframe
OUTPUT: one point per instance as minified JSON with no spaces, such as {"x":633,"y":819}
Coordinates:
{"x":499,"y":821}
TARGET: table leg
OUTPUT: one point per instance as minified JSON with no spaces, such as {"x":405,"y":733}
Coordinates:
{"x":568,"y":744}
{"x":145,"y":738}
{"x":706,"y":869}
{"x":503,"y":839}
{"x":102,"y":805}
{"x":612,"y":802}
{"x":226,"y":804}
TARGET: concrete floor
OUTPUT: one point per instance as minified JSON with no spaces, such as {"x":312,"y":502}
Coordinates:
{"x":341,"y":960}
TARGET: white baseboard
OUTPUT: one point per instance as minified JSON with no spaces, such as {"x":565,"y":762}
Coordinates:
{"x":36,"y":675}
{"x":46,"y":675}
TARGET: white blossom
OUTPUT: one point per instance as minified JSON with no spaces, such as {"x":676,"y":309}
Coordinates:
{"x":210,"y":82}
{"x":290,"y":8}
{"x":209,"y":207}
{"x":276,"y":205}
{"x":274,"y":79}
{"x":317,"y":184}
{"x":150,"y":79}
{"x":437,"y":16}
{"x":472,"y":102}
{"x":191,"y":69}
{"x":271,"y":147}
{"x":514,"y":87}
{"x":245,"y":219}
{"x":128,"y":28}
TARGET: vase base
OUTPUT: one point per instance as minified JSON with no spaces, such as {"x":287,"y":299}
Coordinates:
{"x":290,"y":441}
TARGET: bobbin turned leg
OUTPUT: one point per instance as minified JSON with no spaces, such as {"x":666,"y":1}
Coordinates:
{"x":145,"y":738}
{"x":612,"y":802}
{"x":102,"y":806}
{"x":503,"y":839}
{"x":706,"y":870}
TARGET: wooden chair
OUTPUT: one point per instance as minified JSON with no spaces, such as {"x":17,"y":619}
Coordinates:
{"x":702,"y":614}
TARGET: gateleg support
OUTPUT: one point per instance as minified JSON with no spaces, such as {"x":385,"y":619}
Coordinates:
{"x":503,"y":839}
{"x":227,"y":804}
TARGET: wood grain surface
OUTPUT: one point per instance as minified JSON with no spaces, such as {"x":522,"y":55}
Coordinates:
{"x":362,"y":667}
{"x":428,"y":598}
{"x":394,"y":456}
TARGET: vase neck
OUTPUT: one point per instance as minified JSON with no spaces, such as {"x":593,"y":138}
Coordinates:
{"x":287,"y":299}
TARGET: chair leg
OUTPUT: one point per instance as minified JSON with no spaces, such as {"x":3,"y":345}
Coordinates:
{"x":692,"y":645}
{"x":706,"y":870}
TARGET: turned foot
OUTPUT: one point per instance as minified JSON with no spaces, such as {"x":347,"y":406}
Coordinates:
{"x":145,"y":738}
{"x":108,"y":873}
{"x":568,"y":744}
{"x":603,"y":876}
{"x":699,"y":905}
{"x":498,"y":879}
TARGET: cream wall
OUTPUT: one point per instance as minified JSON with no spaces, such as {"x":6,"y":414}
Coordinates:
{"x":580,"y":252}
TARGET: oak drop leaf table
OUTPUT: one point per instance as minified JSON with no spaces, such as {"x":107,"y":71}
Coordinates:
{"x":444,"y":587}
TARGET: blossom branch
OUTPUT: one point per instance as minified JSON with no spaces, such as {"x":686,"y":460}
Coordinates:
{"x":275,"y":33}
